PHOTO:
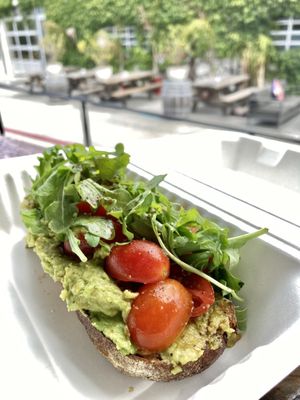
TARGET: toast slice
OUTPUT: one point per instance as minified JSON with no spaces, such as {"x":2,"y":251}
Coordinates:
{"x":153,"y":367}
{"x":156,"y":367}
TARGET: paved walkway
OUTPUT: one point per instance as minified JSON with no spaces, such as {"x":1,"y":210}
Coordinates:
{"x":61,"y":121}
{"x":43,"y":120}
{"x":213,"y":117}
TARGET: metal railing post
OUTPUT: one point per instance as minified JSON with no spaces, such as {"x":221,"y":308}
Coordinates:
{"x":85,"y":124}
{"x":1,"y":126}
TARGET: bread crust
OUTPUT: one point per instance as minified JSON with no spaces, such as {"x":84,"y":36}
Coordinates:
{"x":152,"y":368}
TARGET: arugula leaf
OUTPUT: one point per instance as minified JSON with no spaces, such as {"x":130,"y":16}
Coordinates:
{"x":97,"y":226}
{"x":231,"y":257}
{"x":60,"y":168}
{"x":239,"y":241}
{"x":74,"y":244}
{"x":32,"y":219}
{"x":92,"y":240}
{"x":89,"y":192}
{"x":51,"y":188}
{"x":141,"y":226}
{"x":241,"y":315}
{"x":224,"y":275}
{"x":155,"y":181}
{"x":94,"y":193}
{"x":189,"y":216}
{"x":109,"y":166}
{"x":199,"y":259}
{"x":51,"y":157}
{"x":59,"y":210}
{"x":102,"y":251}
{"x":72,"y":173}
{"x":97,"y":164}
{"x":189,"y":268}
{"x":60,"y":215}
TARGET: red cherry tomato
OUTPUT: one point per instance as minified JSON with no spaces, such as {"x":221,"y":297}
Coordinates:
{"x":119,"y":235}
{"x":200,"y":289}
{"x":87,"y":250}
{"x":159,"y":314}
{"x":84,"y":207}
{"x":139,"y":261}
{"x":100,"y":212}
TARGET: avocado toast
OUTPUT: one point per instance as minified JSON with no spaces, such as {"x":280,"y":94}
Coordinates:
{"x":81,"y":210}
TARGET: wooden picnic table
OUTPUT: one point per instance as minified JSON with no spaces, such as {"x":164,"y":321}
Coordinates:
{"x":219,"y":84}
{"x":126,"y":77}
{"x":75,"y":78}
{"x":223,"y":91}
{"x":118,"y":86}
{"x":122,"y":85}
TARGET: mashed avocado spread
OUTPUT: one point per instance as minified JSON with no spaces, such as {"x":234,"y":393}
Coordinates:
{"x":86,"y":286}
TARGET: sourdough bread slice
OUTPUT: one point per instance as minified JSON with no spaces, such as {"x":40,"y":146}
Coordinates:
{"x":153,"y":367}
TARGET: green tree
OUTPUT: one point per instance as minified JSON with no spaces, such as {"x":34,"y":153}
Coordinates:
{"x":285,"y":66}
{"x":186,"y":43}
{"x":200,"y":38}
{"x":235,"y":22}
{"x":101,"y":48}
{"x":5,"y":8}
{"x":255,"y":57}
{"x":54,"y":41}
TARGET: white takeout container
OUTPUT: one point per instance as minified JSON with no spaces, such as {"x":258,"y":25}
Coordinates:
{"x":47,"y":353}
{"x":263,"y":173}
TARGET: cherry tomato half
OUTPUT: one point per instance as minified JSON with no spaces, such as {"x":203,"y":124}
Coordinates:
{"x":84,"y":207}
{"x":138,"y":261}
{"x":159,"y":314}
{"x":100,"y":212}
{"x":87,"y":250}
{"x":200,"y":289}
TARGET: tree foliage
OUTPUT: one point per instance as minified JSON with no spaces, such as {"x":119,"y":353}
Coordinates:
{"x":237,"y":22}
{"x":255,"y":57}
{"x":100,"y":47}
{"x":286,"y":66}
{"x":234,"y":22}
{"x":183,"y":43}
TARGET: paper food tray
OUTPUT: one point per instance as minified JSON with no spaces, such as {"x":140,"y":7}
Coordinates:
{"x":47,"y":352}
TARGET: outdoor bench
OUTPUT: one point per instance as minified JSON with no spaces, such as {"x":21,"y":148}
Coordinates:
{"x":232,"y":99}
{"x":123,"y":93}
{"x":98,"y":90}
{"x":264,"y":109}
